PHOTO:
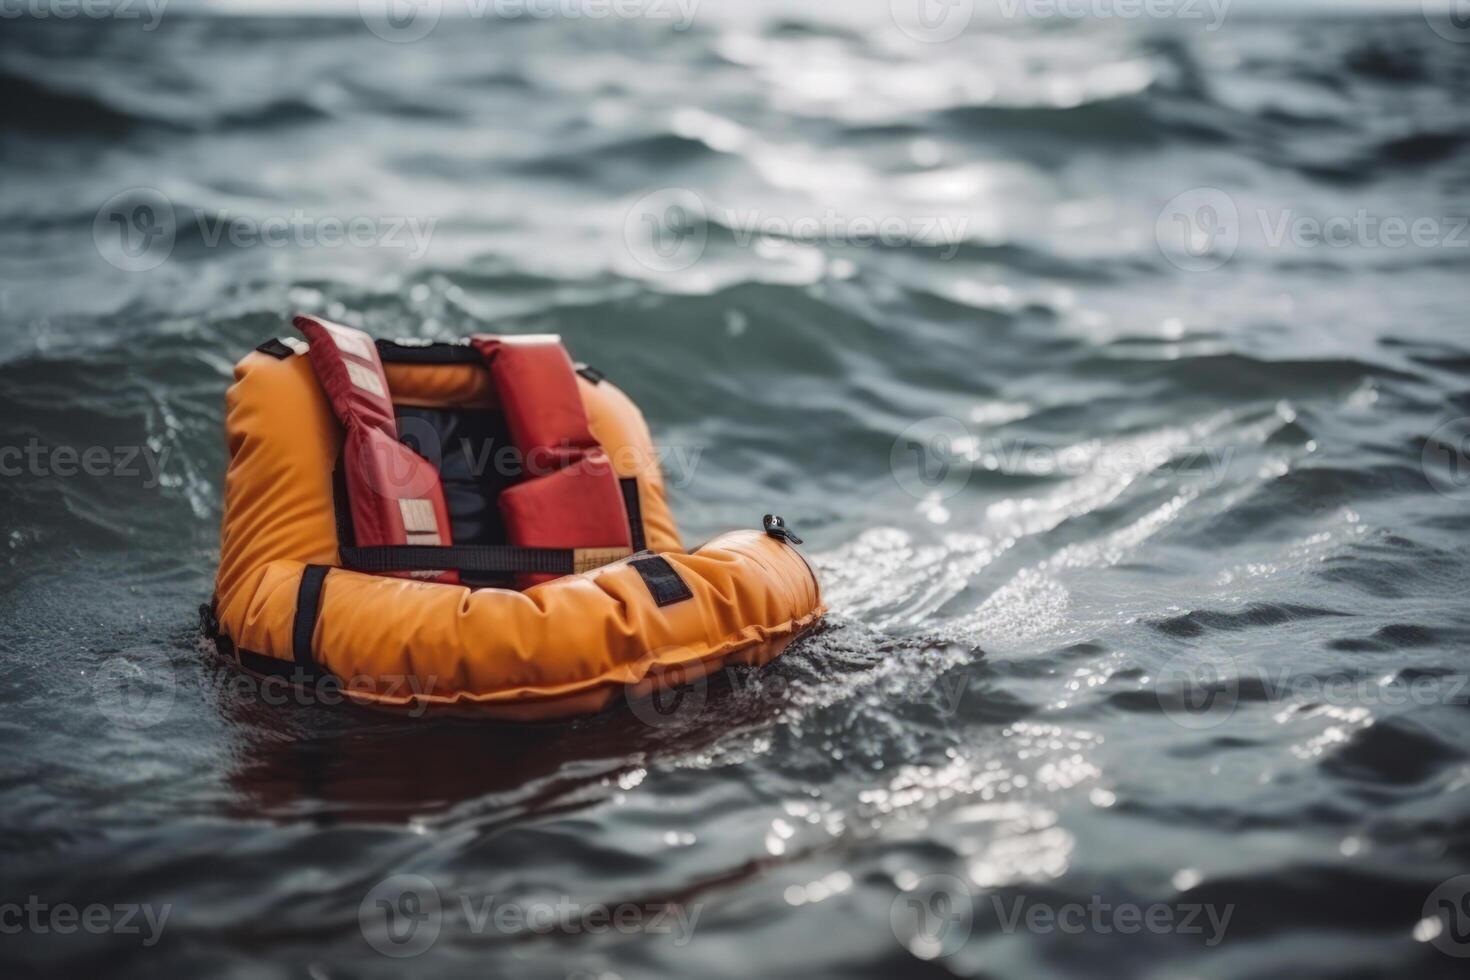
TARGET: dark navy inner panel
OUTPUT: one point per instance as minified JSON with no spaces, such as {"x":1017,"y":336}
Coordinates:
{"x":476,"y":461}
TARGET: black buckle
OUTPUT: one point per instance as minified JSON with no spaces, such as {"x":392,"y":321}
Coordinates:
{"x":777,"y":529}
{"x":276,"y":348}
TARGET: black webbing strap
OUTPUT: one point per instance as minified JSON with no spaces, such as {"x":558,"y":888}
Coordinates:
{"x":483,"y":558}
{"x":634,"y":508}
{"x":402,"y":352}
{"x":308,"y":604}
{"x":662,"y":580}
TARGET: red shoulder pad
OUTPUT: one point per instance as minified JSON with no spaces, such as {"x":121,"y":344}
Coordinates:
{"x":568,"y":496}
{"x":394,"y":494}
{"x":578,"y":506}
{"x":537,"y":386}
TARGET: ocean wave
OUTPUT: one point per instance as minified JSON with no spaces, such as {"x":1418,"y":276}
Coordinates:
{"x":1228,"y":471}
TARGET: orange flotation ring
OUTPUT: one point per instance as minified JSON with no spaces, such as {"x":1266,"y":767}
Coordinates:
{"x":473,"y":528}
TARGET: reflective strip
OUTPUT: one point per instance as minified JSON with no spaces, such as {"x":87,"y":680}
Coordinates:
{"x":420,"y":528}
{"x":364,"y":378}
{"x":418,"y":517}
{"x":529,"y":339}
{"x":586,"y":559}
{"x":352,"y":343}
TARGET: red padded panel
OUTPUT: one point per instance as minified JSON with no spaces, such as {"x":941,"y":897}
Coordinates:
{"x":537,"y":387}
{"x":394,"y":494}
{"x":347,"y":365}
{"x":579,"y":506}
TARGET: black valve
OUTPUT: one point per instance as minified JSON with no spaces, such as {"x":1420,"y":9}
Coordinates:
{"x":776,"y":528}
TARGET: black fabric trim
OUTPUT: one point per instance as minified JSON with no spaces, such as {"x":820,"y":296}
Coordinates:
{"x":590,"y":373}
{"x":662,"y":580}
{"x":341,"y":506}
{"x":634,"y":507}
{"x":396,"y":352}
{"x":276,"y":348}
{"x":308,"y":605}
{"x":259,"y":663}
{"x":393,"y":352}
{"x":287,"y":670}
{"x":484,"y":558}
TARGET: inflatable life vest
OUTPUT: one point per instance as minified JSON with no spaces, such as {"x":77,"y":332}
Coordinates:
{"x":475,"y":527}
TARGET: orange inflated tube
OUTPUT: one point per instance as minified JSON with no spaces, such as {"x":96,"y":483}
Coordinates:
{"x":619,"y":610}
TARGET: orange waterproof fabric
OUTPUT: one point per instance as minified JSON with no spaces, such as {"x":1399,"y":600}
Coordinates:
{"x":561,"y":648}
